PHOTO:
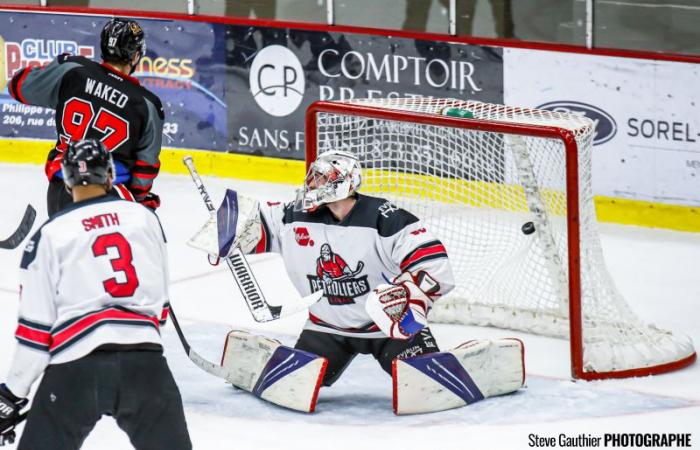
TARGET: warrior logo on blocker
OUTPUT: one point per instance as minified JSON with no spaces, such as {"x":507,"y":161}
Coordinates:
{"x":340,"y":283}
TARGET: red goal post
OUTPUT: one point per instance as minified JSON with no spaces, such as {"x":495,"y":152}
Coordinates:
{"x":362,"y":125}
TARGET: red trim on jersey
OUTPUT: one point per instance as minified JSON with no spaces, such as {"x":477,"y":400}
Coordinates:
{"x":140,"y":163}
{"x":121,"y":74}
{"x":367,"y":329}
{"x":53,"y":166}
{"x":18,"y":90}
{"x":140,"y":191}
{"x":144,"y":176}
{"x":164,"y":314}
{"x":124,"y":192}
{"x":63,"y":337}
{"x":422,"y":253}
{"x":262,"y":243}
{"x":33,"y":335}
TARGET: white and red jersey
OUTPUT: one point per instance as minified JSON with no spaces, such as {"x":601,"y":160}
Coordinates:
{"x":346,"y":259}
{"x":94,"y":274}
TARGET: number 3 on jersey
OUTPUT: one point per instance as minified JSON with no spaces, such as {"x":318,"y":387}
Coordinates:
{"x":122,"y":263}
{"x":78,"y":116}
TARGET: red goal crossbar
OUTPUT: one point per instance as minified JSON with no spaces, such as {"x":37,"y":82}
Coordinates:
{"x":568,"y":139}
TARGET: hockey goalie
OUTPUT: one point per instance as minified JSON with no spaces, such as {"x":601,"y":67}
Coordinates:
{"x":380,"y":270}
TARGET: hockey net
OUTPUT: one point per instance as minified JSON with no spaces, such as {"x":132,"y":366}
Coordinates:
{"x":508,"y":191}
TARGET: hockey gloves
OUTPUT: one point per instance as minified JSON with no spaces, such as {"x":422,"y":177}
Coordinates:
{"x":151,"y":200}
{"x":10,"y":406}
{"x":400,"y":310}
{"x":236,"y":223}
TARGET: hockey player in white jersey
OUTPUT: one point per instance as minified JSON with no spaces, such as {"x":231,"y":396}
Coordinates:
{"x":94,"y":288}
{"x":380,"y":269}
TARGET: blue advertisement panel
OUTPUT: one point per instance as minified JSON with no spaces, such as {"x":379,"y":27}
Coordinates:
{"x":242,"y":88}
{"x":184,"y":65}
{"x":280,"y":72}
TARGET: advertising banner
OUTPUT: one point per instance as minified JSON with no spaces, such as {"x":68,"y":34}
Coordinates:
{"x":184,"y":66}
{"x":647,"y":115}
{"x":277,"y":74}
{"x":244,"y":89}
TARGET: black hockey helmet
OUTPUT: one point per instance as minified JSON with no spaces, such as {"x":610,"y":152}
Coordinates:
{"x":86,"y":162}
{"x":121,"y":39}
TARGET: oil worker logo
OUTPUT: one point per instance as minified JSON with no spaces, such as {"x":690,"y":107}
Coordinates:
{"x":340,"y":284}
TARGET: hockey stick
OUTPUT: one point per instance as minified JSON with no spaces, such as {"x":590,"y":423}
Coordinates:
{"x":7,"y":436}
{"x":259,"y":308}
{"x":25,"y":226}
{"x":201,"y":362}
{"x":352,"y":273}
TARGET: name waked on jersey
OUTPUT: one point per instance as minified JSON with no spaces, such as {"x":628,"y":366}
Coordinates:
{"x":105,"y":92}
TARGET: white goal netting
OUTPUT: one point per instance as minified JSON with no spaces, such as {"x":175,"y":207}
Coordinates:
{"x":476,"y":188}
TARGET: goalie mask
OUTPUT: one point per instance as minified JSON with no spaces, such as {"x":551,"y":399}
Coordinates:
{"x":334,"y":175}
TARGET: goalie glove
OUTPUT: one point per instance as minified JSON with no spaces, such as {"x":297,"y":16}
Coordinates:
{"x":400,"y":310}
{"x":235,"y":224}
{"x":10,"y":405}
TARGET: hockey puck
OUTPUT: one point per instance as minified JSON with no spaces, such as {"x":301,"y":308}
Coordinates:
{"x":528,"y":228}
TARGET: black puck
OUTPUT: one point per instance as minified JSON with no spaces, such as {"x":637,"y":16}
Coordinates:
{"x":528,"y":228}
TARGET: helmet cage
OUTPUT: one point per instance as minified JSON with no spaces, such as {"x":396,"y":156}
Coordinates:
{"x":333,"y":176}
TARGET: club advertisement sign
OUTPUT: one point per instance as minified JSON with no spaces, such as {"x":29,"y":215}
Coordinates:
{"x":184,"y":66}
{"x":647,"y":115}
{"x":278,"y":73}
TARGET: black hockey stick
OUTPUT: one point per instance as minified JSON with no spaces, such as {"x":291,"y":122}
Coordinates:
{"x":254,"y":298}
{"x":7,"y":436}
{"x":196,"y":358}
{"x":25,"y":226}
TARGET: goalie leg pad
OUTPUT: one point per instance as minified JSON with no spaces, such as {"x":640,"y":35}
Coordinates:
{"x":471,"y":372}
{"x":274,"y":372}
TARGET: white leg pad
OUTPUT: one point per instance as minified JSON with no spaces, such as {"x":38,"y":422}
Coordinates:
{"x":274,"y":372}
{"x":471,"y":372}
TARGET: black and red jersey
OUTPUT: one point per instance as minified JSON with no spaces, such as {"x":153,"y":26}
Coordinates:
{"x":95,"y":101}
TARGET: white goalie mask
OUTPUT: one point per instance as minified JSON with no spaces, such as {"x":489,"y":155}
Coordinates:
{"x":334,"y":175}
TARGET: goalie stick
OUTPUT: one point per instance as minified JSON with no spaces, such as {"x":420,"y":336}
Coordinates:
{"x":25,"y":226}
{"x":259,"y":308}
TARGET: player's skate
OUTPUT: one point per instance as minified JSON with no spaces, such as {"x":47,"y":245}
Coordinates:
{"x":467,"y":374}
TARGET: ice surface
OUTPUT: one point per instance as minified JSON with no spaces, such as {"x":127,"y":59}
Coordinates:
{"x":656,"y":270}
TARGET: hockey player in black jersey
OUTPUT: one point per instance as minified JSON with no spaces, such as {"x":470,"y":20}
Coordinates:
{"x":94,"y":288}
{"x":380,"y":269}
{"x":100,"y":101}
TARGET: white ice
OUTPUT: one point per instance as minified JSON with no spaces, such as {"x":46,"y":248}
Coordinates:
{"x":656,"y":270}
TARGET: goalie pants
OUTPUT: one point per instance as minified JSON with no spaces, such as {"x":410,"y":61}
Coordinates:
{"x":134,"y":386}
{"x":340,"y":350}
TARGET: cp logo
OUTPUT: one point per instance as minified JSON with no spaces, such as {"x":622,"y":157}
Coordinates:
{"x":277,"y":80}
